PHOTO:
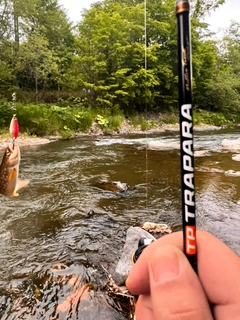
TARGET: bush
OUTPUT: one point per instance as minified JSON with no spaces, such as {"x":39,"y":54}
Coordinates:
{"x":211,"y":118}
{"x":115,"y":122}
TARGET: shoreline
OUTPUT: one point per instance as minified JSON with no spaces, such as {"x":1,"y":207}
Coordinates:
{"x":26,"y":141}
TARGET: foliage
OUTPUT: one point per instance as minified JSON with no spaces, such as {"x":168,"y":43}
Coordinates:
{"x":51,"y":119}
{"x":115,"y":122}
{"x":203,"y":7}
{"x":224,"y":90}
{"x":170,"y":117}
{"x":211,"y":118}
{"x":102,"y":122}
{"x":39,"y":120}
{"x":5,"y":113}
{"x":36,"y":62}
{"x":109,"y":64}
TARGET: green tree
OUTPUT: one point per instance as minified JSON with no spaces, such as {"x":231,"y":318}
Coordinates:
{"x":36,"y":19}
{"x":200,"y":8}
{"x":109,"y":58}
{"x":225,"y":89}
{"x":36,"y":62}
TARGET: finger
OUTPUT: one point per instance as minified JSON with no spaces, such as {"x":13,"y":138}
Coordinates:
{"x":140,"y":268}
{"x":143,"y":310}
{"x":175,"y":288}
{"x":219,"y":272}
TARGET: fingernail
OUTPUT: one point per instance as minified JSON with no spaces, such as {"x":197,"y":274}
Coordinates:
{"x":164,"y":266}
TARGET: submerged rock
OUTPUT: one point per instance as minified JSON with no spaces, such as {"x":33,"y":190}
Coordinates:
{"x":201,"y":153}
{"x":162,"y":145}
{"x":114,"y":186}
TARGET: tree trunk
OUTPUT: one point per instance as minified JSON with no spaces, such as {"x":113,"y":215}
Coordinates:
{"x":16,"y":37}
{"x":36,"y":88}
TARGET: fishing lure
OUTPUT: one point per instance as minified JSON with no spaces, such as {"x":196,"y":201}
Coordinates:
{"x":14,"y":129}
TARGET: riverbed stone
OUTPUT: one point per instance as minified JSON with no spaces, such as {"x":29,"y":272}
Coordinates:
{"x":162,"y":145}
{"x":124,"y":265}
{"x":229,"y":144}
{"x":236,"y":157}
{"x":232,"y":173}
{"x":114,"y":186}
{"x":156,"y":228}
{"x":201,"y":153}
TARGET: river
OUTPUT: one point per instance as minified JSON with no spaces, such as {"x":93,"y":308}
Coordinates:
{"x":64,"y":225}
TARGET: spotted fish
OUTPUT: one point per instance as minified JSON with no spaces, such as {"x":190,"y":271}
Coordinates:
{"x":9,"y":168}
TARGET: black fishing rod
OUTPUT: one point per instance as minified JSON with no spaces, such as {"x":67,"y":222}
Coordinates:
{"x":186,"y":131}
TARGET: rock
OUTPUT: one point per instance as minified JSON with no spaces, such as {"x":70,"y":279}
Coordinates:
{"x":121,"y":186}
{"x":150,"y":231}
{"x":231,"y":144}
{"x":152,"y":227}
{"x":200,"y":153}
{"x":160,"y":145}
{"x":232,"y":173}
{"x":124,"y":265}
{"x":236,"y":157}
{"x":114,"y":186}
{"x":205,"y":127}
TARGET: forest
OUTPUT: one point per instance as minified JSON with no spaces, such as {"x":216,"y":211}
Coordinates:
{"x":106,"y":62}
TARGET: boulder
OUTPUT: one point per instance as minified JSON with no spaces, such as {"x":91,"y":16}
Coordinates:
{"x":124,"y":265}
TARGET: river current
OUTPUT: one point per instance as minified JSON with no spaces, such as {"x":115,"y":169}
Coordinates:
{"x":64,"y":224}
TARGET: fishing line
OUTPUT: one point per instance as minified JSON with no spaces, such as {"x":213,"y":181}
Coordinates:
{"x":146,"y":105}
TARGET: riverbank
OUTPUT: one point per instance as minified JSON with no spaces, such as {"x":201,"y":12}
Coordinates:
{"x":25,"y":140}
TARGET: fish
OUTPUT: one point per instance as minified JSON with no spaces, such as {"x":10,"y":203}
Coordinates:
{"x":9,"y":169}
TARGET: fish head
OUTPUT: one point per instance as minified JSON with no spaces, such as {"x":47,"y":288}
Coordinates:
{"x":11,"y":157}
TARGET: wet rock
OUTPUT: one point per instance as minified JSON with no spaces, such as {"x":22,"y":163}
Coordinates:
{"x":225,"y":231}
{"x":236,"y":157}
{"x":232,"y":173}
{"x":231,"y":144}
{"x":161,"y":145}
{"x":124,"y":265}
{"x":97,"y":308}
{"x":201,"y":153}
{"x":150,"y":231}
{"x":114,"y":186}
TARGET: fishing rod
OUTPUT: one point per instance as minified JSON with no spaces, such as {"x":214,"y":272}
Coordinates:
{"x":186,"y":131}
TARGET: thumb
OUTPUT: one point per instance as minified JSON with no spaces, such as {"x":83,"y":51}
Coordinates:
{"x":176,"y":291}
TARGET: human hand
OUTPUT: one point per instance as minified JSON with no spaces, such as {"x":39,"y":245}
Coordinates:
{"x":169,"y":289}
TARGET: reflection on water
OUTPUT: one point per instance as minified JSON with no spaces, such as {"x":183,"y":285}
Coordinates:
{"x":65,"y":219}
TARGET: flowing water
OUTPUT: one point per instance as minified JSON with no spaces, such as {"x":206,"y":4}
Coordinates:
{"x":61,"y":228}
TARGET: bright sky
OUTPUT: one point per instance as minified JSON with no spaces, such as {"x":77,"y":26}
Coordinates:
{"x":218,"y":20}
